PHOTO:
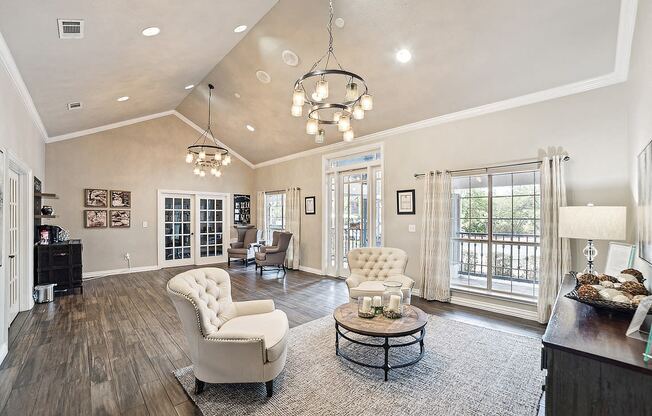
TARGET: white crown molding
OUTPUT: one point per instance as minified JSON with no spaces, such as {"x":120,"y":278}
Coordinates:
{"x":200,"y":130}
{"x":111,"y":126}
{"x":9,"y":64}
{"x":626,"y":26}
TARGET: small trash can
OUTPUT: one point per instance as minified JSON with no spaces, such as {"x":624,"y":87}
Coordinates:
{"x":44,"y":293}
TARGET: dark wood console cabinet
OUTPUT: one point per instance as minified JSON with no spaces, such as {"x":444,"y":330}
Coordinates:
{"x":59,"y":263}
{"x":593,"y":367}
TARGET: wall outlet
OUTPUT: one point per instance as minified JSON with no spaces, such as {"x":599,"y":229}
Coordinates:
{"x":145,"y":224}
{"x":412,"y":228}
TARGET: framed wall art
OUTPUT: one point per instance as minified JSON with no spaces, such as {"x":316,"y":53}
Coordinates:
{"x":96,"y":198}
{"x":120,"y":218}
{"x":120,"y":199}
{"x":405,"y":202}
{"x":310,"y":205}
{"x":95,"y":218}
{"x":241,"y":209}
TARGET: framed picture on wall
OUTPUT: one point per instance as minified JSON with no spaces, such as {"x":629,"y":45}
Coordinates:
{"x":120,"y":218}
{"x":95,"y":218}
{"x":405,"y":202}
{"x":310,"y":205}
{"x":645,"y":204}
{"x":96,"y":198}
{"x":120,"y":199}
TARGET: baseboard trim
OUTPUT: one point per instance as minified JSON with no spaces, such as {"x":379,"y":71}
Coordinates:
{"x":493,"y":307}
{"x":310,"y":270}
{"x":102,"y":273}
{"x":4,"y":350}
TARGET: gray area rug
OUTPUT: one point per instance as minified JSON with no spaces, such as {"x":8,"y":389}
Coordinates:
{"x":466,"y":370}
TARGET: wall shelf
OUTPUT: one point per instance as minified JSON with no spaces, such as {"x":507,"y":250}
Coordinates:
{"x":45,"y":195}
{"x":44,"y":216}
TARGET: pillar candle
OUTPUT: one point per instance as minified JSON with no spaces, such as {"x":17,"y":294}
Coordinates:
{"x":366,"y":304}
{"x":378,"y":302}
{"x":394,"y":301}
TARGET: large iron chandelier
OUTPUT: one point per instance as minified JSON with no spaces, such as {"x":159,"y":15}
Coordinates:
{"x":205,"y":153}
{"x":312,"y":90}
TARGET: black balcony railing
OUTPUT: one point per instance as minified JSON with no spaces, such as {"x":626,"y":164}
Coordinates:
{"x":513,"y":257}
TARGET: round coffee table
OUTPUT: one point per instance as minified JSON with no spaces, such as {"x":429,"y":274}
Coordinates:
{"x":347,"y":321}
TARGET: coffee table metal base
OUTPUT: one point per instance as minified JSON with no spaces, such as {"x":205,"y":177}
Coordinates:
{"x":385,"y":345}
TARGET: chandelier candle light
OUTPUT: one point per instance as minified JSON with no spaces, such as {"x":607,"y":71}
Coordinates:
{"x":205,"y":153}
{"x":312,"y":90}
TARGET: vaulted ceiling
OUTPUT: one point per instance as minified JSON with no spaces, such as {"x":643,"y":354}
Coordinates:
{"x":465,"y":53}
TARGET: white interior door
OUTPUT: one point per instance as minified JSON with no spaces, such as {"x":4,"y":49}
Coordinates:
{"x":13,"y":245}
{"x":212,"y":230}
{"x":177,"y":227}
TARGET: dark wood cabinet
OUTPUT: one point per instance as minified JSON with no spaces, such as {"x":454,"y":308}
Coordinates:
{"x":59,"y":263}
{"x":593,"y":368}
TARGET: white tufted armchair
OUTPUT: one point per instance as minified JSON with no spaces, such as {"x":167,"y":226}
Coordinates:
{"x":371,"y":266}
{"x":230,"y":342}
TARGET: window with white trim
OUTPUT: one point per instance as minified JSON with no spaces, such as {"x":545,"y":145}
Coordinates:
{"x":496,"y":228}
{"x":274,"y":214}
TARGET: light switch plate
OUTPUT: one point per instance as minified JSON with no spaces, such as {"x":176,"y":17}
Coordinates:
{"x":412,"y":228}
{"x":145,"y":224}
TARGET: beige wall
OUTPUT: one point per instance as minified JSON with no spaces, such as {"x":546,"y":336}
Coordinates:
{"x":591,"y":127}
{"x":20,"y":137}
{"x":140,"y":158}
{"x":640,"y":107}
{"x":304,"y":173}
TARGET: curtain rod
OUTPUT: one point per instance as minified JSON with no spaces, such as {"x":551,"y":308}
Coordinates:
{"x":279,"y":190}
{"x":509,"y":165}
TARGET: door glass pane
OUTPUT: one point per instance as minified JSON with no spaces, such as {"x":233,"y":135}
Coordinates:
{"x":210,"y":227}
{"x":355,"y":199}
{"x":177,"y":228}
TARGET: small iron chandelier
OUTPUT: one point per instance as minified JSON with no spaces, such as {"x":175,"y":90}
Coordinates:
{"x":321,"y":111}
{"x":205,"y":153}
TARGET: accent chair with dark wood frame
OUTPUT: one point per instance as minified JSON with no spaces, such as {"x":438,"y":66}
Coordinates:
{"x":243,"y":248}
{"x":274,"y":255}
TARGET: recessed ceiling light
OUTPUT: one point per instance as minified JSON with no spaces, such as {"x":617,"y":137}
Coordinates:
{"x":236,"y":95}
{"x":240,"y":29}
{"x":290,"y":58}
{"x":125,"y":98}
{"x":403,"y":56}
{"x":151,"y":31}
{"x":189,"y":87}
{"x":263,"y":77}
{"x":250,"y":127}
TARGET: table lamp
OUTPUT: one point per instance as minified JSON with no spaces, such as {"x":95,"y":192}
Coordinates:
{"x":592,"y":223}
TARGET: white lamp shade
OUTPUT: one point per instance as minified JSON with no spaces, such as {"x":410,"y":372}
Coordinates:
{"x":593,"y":223}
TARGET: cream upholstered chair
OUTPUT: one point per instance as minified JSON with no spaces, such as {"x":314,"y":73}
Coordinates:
{"x":371,"y":266}
{"x":230,"y":342}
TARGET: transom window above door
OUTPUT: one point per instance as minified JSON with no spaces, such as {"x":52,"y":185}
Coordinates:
{"x":496,"y":228}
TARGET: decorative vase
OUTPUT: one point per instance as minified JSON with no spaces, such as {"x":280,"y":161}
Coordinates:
{"x":393,"y":300}
{"x":46,"y":210}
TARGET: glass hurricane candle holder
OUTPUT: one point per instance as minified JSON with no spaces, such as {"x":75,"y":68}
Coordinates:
{"x":365,"y":308}
{"x":393,"y":300}
{"x":377,"y":304}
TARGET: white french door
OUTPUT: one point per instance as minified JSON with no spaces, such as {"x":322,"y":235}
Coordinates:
{"x":354,"y":209}
{"x":13,"y":245}
{"x":193,"y":228}
{"x":211,"y":230}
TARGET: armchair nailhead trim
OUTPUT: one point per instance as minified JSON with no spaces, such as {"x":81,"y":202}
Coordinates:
{"x":207,"y":338}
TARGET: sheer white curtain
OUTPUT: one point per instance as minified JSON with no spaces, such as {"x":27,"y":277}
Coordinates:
{"x":435,"y":237}
{"x":260,"y":215}
{"x":293,"y":225}
{"x":555,"y":251}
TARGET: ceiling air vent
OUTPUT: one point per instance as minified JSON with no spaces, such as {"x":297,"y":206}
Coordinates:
{"x":71,"y":29}
{"x":74,"y":106}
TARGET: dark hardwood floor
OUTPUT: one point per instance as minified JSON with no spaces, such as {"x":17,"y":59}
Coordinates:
{"x":112,"y":350}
